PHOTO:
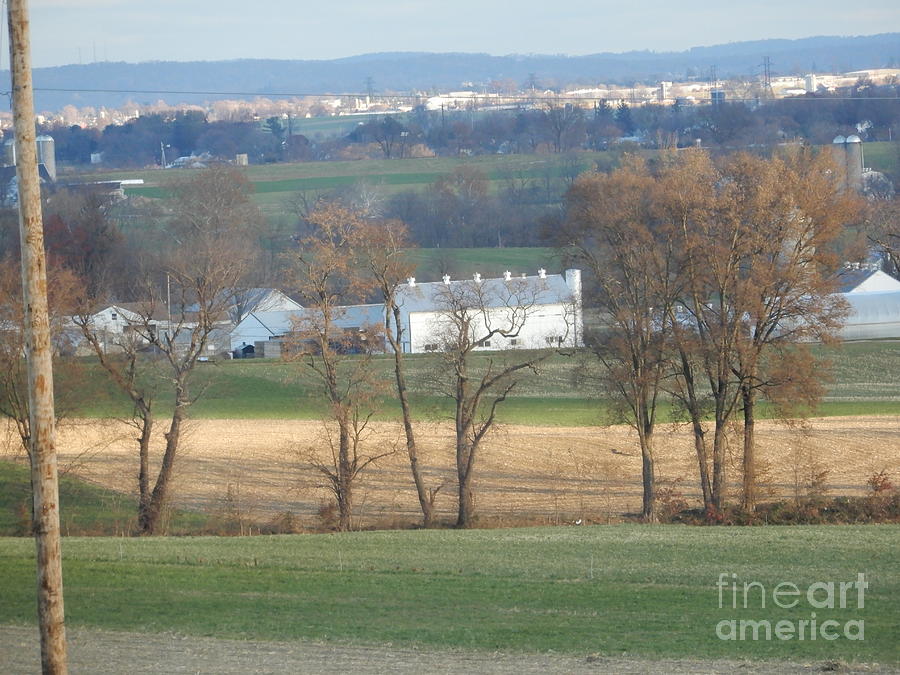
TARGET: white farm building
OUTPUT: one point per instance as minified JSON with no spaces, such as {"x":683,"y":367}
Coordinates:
{"x":523,"y":312}
{"x":874,"y":300}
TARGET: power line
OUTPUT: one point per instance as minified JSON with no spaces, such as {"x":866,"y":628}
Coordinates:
{"x":503,"y":98}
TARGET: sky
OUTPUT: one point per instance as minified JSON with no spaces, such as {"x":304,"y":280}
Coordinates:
{"x":83,"y":31}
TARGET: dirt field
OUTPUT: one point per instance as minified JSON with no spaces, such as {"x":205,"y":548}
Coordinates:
{"x":525,"y":474}
{"x":105,"y":652}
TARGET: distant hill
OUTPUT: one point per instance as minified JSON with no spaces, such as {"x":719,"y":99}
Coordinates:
{"x":408,"y":71}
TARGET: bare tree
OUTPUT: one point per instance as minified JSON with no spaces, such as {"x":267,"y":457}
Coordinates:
{"x":565,"y":123}
{"x":384,"y":246}
{"x":471,"y":315}
{"x":788,"y":282}
{"x":755,"y":240}
{"x":610,"y":228}
{"x":326,"y":275}
{"x":187,"y":293}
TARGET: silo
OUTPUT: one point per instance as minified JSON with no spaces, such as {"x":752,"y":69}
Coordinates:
{"x":854,"y":162}
{"x":848,"y":155}
{"x":9,"y":152}
{"x":46,"y":152}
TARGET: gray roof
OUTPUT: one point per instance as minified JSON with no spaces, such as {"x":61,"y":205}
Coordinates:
{"x":432,"y":296}
{"x":280,"y":322}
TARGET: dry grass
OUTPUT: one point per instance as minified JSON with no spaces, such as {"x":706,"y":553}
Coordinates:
{"x":525,"y":474}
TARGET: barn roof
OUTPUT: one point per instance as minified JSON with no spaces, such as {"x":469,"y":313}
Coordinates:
{"x":526,"y":290}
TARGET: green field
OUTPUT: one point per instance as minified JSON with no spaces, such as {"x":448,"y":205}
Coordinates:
{"x":612,"y":590}
{"x":275,"y":184}
{"x":85,"y":508}
{"x":866,"y":380}
{"x":883,"y":156}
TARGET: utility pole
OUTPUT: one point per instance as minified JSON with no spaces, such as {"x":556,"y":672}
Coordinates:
{"x":42,"y":429}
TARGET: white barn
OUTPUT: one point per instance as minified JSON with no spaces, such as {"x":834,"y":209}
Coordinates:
{"x":535,"y":311}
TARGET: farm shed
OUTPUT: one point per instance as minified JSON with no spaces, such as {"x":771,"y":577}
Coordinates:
{"x":873,"y":316}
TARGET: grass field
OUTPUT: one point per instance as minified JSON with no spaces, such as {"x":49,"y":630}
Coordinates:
{"x":84,"y":507}
{"x":866,"y":380}
{"x":594,"y":590}
{"x":883,"y":156}
{"x":275,"y":183}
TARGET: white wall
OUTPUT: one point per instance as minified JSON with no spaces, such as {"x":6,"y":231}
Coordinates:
{"x":533,"y":326}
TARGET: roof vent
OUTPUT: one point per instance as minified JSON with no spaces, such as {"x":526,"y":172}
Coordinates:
{"x":507,"y":275}
{"x":477,"y":277}
{"x":446,"y":278}
{"x":411,"y":281}
{"x":542,"y":273}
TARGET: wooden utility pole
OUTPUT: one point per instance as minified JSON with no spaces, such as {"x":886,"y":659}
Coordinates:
{"x":42,"y":445}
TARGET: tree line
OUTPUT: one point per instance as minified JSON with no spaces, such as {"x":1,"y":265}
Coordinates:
{"x":711,"y":280}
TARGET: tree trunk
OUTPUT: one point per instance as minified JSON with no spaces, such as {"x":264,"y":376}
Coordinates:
{"x":144,"y":452}
{"x":424,"y":501}
{"x":693,"y":406}
{"x":149,"y":518}
{"x":718,"y":478}
{"x":748,"y":501}
{"x":702,"y":458}
{"x":648,"y":477}
{"x":344,"y":492}
{"x":466,"y":509}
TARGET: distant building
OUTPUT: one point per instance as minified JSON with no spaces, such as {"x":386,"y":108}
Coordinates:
{"x":546,"y":309}
{"x":866,"y":278}
{"x":873,"y":316}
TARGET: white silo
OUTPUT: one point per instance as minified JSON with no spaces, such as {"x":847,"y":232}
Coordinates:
{"x":46,"y":152}
{"x":9,"y":152}
{"x":848,"y":154}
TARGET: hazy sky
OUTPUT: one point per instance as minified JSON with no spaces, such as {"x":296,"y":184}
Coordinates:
{"x":69,"y":31}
